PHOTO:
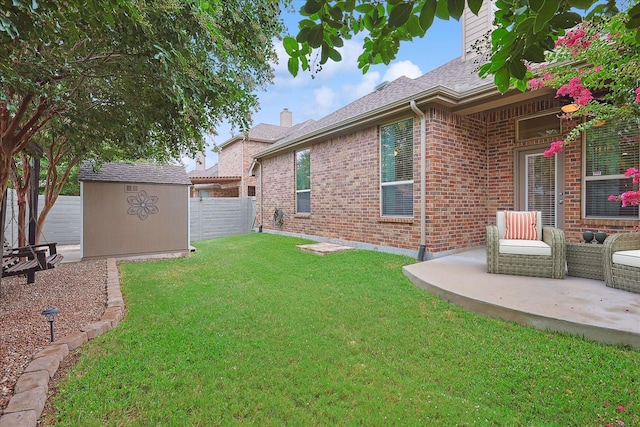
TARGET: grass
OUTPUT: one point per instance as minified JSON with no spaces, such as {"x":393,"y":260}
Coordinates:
{"x":250,"y":331}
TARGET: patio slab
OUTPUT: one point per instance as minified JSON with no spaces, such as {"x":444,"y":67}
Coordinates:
{"x":582,"y":307}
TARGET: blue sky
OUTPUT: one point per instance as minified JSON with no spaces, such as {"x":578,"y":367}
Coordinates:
{"x":341,"y":83}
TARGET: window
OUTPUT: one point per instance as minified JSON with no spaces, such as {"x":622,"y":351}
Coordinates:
{"x":303,"y":181}
{"x":251,"y":190}
{"x":610,"y":150}
{"x":538,"y":127}
{"x":396,"y":169}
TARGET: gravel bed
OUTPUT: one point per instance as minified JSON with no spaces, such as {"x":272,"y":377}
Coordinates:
{"x":78,"y":289}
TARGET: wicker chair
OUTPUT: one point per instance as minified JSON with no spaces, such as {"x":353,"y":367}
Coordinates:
{"x":622,"y":261}
{"x":549,"y":259}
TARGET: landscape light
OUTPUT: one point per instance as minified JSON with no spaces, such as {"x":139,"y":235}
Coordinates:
{"x":50,"y":315}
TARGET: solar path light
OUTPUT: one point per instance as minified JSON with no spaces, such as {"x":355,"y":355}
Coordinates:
{"x":50,"y":315}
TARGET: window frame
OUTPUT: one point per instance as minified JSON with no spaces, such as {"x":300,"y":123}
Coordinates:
{"x":586,"y":179}
{"x":398,"y":183}
{"x":303,"y":190}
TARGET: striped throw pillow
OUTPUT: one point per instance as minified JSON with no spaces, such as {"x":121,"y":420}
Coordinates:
{"x":521,"y":225}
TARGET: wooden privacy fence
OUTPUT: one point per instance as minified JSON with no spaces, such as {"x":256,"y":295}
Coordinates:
{"x":209,"y":218}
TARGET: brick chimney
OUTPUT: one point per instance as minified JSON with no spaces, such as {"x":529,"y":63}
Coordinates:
{"x":475,"y":27}
{"x":286,"y":118}
{"x":201,"y":161}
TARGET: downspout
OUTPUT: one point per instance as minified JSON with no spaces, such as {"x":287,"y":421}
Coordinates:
{"x":423,"y":180}
{"x":261,"y":196}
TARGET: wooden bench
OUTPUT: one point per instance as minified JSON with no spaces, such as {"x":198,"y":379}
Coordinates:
{"x":27,"y":260}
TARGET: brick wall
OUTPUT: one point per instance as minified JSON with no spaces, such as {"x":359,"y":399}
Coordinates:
{"x":345,"y":188}
{"x":470,"y":175}
{"x":501,"y":145}
{"x":230,"y":160}
{"x":235,"y":160}
{"x":456,"y":181}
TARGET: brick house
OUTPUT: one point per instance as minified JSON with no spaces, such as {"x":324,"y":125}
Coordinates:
{"x":230,"y":176}
{"x":420,"y":166}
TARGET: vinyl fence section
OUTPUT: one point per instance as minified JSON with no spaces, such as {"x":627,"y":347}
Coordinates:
{"x":220,"y":217}
{"x":210,"y":218}
{"x":62,"y":225}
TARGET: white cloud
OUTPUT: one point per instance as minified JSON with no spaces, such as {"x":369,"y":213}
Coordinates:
{"x":325,"y":101}
{"x":402,"y":68}
{"x":366,"y":85}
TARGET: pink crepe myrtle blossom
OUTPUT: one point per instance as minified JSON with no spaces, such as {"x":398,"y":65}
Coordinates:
{"x":628,"y":198}
{"x":575,"y":41}
{"x":556,"y":147}
{"x":580,"y":94}
{"x":638,"y":94}
{"x":535,"y":83}
{"x":633,"y":173}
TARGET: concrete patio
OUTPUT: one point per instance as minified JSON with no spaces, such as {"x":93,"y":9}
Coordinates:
{"x":582,"y":307}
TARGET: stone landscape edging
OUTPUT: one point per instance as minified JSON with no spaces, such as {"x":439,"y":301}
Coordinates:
{"x":30,"y":392}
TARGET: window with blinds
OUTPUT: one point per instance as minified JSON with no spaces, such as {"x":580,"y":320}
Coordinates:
{"x":610,"y":150}
{"x":396,"y":169}
{"x":303,"y":181}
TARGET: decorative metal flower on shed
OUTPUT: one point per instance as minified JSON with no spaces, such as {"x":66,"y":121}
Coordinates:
{"x":142,"y":205}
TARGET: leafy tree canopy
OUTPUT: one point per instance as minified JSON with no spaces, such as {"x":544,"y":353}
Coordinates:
{"x":525,"y":30}
{"x":143,"y":78}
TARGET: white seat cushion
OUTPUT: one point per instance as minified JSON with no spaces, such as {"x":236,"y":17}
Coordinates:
{"x":628,"y":258}
{"x":523,"y":247}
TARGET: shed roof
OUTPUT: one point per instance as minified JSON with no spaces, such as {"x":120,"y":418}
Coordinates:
{"x":144,"y":173}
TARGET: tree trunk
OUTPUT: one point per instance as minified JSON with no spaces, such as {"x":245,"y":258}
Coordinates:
{"x":21,"y":185}
{"x":57,"y":151}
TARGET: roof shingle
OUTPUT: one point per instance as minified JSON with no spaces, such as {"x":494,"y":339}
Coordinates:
{"x":144,"y":173}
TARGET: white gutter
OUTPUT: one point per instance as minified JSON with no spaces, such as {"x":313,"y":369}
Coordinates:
{"x":423,"y":179}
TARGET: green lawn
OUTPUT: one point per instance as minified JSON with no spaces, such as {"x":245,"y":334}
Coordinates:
{"x":250,"y":331}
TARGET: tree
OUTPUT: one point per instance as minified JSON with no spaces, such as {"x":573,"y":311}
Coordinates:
{"x":144,"y":78}
{"x":596,"y":67}
{"x":595,"y":55}
{"x":525,"y":30}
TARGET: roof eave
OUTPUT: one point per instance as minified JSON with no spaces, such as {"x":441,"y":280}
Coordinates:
{"x":439,"y":94}
{"x":480,"y":98}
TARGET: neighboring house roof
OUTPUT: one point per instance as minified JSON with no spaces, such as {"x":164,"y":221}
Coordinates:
{"x":215,"y":179}
{"x":207,"y":173}
{"x":455,"y":85}
{"x":264,"y":132}
{"x":210,"y":176}
{"x":144,"y":173}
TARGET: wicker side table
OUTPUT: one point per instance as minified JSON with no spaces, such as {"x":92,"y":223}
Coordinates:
{"x":585,"y":260}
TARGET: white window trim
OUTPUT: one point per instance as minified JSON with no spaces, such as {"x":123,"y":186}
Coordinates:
{"x":306,"y":190}
{"x":392,"y":183}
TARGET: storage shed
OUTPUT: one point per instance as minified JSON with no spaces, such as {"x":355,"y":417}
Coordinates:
{"x":134,"y":209}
